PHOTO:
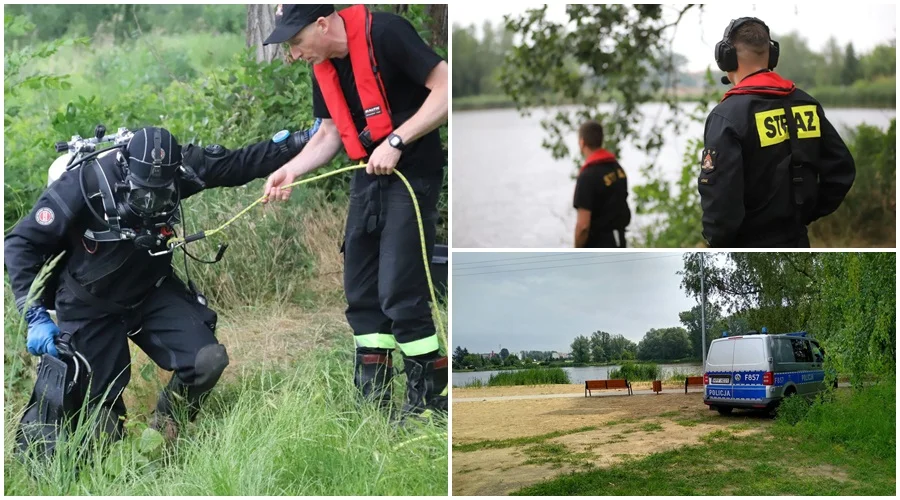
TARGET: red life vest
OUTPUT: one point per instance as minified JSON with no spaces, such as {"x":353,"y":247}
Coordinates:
{"x":358,"y":25}
{"x":599,"y":156}
{"x":765,"y":83}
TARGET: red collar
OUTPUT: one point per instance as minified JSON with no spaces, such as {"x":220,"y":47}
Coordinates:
{"x":599,"y":156}
{"x":763,"y":83}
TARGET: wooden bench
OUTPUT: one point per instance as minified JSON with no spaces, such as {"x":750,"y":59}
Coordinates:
{"x":597,"y":385}
{"x":692,"y":381}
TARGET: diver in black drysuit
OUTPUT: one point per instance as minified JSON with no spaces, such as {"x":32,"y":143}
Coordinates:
{"x":110,"y":288}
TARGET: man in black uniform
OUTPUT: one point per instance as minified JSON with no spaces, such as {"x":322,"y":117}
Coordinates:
{"x":600,"y":194}
{"x":772,"y":162}
{"x":110,"y":214}
{"x":382,"y":93}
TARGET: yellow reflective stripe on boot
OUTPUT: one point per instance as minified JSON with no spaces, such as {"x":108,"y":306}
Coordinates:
{"x":421,"y":346}
{"x":376,"y":341}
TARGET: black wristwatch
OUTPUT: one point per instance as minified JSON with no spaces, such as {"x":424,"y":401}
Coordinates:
{"x":396,"y":142}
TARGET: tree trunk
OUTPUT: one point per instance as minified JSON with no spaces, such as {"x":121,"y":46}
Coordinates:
{"x":260,"y":24}
{"x":438,"y":24}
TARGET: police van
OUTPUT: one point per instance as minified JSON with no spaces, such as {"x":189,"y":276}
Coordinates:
{"x":758,"y":370}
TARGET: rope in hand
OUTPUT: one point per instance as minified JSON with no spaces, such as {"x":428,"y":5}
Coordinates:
{"x":178,"y":241}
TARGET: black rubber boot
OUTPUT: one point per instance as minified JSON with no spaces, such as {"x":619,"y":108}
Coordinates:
{"x":180,"y":400}
{"x":426,"y":380}
{"x":373,"y":376}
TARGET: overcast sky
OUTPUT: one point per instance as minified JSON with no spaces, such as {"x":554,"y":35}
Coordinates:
{"x":866,"y":25}
{"x":545,"y":309}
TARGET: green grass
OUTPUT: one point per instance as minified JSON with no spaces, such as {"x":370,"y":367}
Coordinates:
{"x":669,"y":414}
{"x":508,"y":443}
{"x":843,"y":447}
{"x":651,"y":427}
{"x":296,"y":431}
{"x":636,"y":371}
{"x":624,"y":421}
{"x":556,"y":455}
{"x":531,"y":376}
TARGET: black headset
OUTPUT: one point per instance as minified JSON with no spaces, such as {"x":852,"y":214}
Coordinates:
{"x":726,"y":53}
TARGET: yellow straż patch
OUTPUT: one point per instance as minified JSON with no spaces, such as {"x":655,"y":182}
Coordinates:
{"x":772,"y":125}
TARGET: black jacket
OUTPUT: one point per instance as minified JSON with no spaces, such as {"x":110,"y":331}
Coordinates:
{"x":746,"y":188}
{"x":115,"y":271}
{"x":602,"y":188}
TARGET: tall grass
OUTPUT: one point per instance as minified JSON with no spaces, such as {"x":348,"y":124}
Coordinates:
{"x":531,"y":376}
{"x":862,"y":420}
{"x":678,"y":375}
{"x":296,"y":431}
{"x":636,"y":371}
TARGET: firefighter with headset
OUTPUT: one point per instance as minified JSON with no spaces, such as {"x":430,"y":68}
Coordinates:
{"x":112,"y":213}
{"x":382,"y":94}
{"x":772,"y":163}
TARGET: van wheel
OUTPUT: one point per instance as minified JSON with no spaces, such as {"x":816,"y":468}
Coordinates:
{"x":724,"y":410}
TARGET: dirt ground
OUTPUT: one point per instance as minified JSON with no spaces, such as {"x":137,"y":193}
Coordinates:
{"x":626,"y":426}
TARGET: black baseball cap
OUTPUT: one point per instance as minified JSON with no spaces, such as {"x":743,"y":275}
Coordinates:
{"x":290,"y":19}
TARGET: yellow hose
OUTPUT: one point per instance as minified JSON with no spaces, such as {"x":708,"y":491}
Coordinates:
{"x":440,"y":323}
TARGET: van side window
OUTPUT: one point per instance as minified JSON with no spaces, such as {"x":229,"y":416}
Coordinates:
{"x":818,"y":353}
{"x":783,"y":352}
{"x":802,"y":353}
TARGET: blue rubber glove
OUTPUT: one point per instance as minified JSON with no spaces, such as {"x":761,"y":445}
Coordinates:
{"x":42,"y":332}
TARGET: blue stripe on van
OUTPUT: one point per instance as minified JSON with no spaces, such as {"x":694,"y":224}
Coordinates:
{"x":751,"y":393}
{"x":804,"y":377}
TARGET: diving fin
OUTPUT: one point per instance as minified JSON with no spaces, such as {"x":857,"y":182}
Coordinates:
{"x":40,"y":424}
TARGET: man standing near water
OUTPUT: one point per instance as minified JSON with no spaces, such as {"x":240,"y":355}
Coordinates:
{"x":382,"y":93}
{"x":764,"y":176}
{"x":600,"y":194}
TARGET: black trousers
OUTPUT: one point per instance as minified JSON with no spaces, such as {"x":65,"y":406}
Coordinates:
{"x":606,"y":239}
{"x":170,"y":326}
{"x":384,"y":276}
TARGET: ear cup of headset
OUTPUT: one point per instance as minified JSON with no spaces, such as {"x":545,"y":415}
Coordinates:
{"x":726,"y":56}
{"x":774,"y":52}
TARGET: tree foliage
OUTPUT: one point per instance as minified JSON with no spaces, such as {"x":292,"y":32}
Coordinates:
{"x":691,"y":320}
{"x":581,"y":349}
{"x":598,"y":353}
{"x":664,"y":344}
{"x":479,"y":59}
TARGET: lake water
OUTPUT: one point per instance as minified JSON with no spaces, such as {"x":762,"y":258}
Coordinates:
{"x":509,"y":192}
{"x":577,"y":375}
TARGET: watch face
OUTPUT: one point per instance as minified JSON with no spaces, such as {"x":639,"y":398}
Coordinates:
{"x":395,"y":141}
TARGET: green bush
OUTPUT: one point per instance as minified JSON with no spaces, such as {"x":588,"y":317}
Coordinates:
{"x":532,"y":376}
{"x":238,"y":103}
{"x":793,"y":409}
{"x":862,"y":420}
{"x":636,"y":371}
{"x":868,"y":213}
